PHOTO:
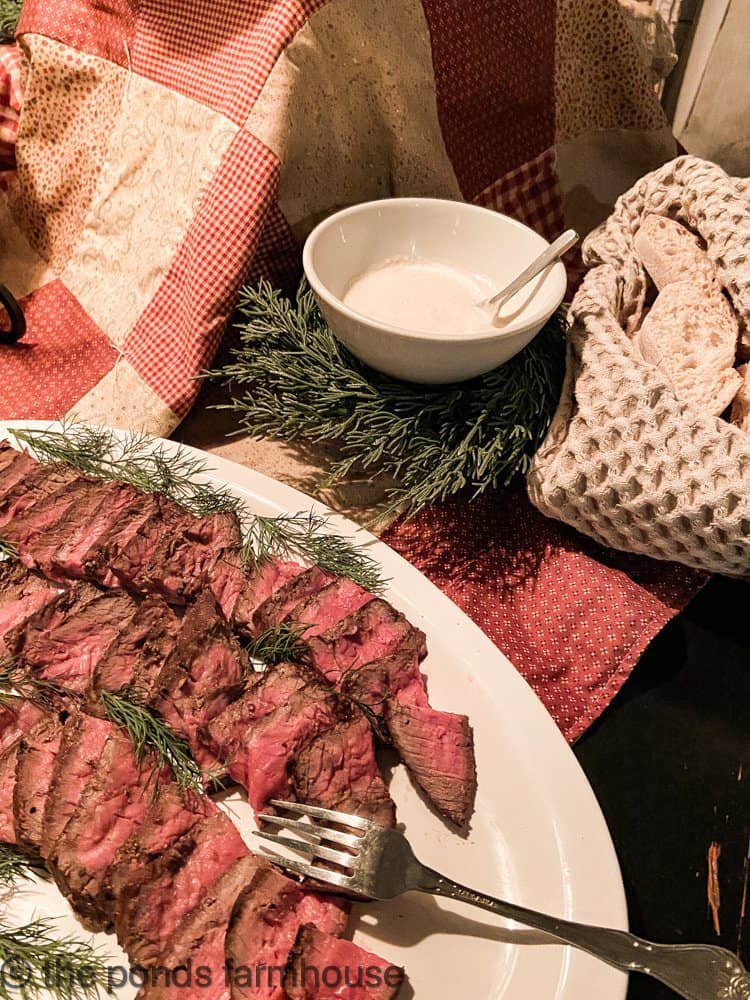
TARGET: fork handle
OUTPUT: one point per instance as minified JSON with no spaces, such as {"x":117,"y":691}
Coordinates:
{"x":693,"y":971}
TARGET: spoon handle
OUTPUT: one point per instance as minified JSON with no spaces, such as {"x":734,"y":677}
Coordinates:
{"x":553,"y":253}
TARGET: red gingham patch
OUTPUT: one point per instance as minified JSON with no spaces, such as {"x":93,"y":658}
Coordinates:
{"x":219,"y":53}
{"x":177,"y":335}
{"x":573,"y":618}
{"x":11,"y":97}
{"x":530,"y":193}
{"x":62,"y":356}
{"x":278,"y":256}
{"x":494,"y":75}
{"x":101,"y":29}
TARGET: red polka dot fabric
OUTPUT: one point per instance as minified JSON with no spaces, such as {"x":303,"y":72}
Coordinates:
{"x":572,"y":617}
{"x":61,"y":357}
{"x":104,"y":28}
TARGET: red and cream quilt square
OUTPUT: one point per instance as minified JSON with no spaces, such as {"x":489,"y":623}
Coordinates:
{"x":63,"y":354}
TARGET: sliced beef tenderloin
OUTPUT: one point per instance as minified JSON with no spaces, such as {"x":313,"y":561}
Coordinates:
{"x":8,"y":761}
{"x":194,"y":968}
{"x":15,"y":467}
{"x":137,"y":654}
{"x":30,"y":530}
{"x":121,"y":531}
{"x":204,"y":673}
{"x":337,"y":769}
{"x":276,"y":608}
{"x":37,"y":752}
{"x":438,"y":749}
{"x":260,"y":584}
{"x":325,"y":609}
{"x":113,"y":803}
{"x":40,"y":483}
{"x":372,"y":632}
{"x":322,"y":967}
{"x":265,"y":921}
{"x":66,"y":640}
{"x":372,"y":685}
{"x":263,"y":693}
{"x":154,"y":901}
{"x":18,"y":716}
{"x":22,"y":602}
{"x":78,"y":758}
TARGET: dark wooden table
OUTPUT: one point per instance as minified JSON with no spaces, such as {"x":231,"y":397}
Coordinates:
{"x":670,"y":764}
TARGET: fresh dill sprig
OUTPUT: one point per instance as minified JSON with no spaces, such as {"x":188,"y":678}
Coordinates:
{"x":16,"y":864}
{"x":293,"y":380}
{"x":34,"y":963}
{"x":303,"y":534}
{"x":151,"y":736}
{"x":131,"y":458}
{"x":279,"y":644}
{"x":7,"y":550}
{"x":16,"y":681}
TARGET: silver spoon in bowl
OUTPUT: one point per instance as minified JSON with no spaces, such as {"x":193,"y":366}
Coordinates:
{"x":549,"y":256}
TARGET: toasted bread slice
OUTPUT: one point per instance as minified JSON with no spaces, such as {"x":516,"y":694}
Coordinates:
{"x":670,"y":253}
{"x":691,"y":335}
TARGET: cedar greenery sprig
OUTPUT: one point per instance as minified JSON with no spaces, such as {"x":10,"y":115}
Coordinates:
{"x":279,"y":644}
{"x":10,"y":12}
{"x":131,"y":458}
{"x":35,"y":963}
{"x":151,"y":736}
{"x":293,"y":380}
{"x":303,"y":534}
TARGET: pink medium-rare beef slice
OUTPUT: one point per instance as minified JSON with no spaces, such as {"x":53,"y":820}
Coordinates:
{"x":204,"y":673}
{"x":81,"y":747}
{"x":262,"y":582}
{"x":329,"y":606}
{"x":198,"y":946}
{"x":322,"y":967}
{"x":153,"y":903}
{"x":337,"y":769}
{"x":65,"y":641}
{"x":37,"y":753}
{"x":102,"y":553}
{"x":39,"y":483}
{"x":8,"y":761}
{"x":15,"y":467}
{"x":264,"y":923}
{"x":137,"y":654}
{"x":370,"y":633}
{"x":276,"y":608}
{"x":22,"y":594}
{"x":113,"y":802}
{"x":18,"y":716}
{"x":438,"y":750}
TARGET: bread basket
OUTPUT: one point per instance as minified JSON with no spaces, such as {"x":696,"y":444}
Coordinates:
{"x":624,"y":460}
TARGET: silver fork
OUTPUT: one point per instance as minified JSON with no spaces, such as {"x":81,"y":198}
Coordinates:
{"x":374,"y":862}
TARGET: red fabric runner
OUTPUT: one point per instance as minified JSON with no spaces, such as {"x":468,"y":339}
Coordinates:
{"x":572,"y":617}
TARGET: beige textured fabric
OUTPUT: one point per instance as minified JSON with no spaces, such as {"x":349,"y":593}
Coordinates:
{"x":122,"y":399}
{"x":624,"y":461}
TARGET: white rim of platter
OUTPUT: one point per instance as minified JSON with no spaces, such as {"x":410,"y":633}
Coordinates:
{"x":537,"y":837}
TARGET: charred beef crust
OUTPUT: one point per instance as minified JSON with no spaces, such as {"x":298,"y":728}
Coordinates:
{"x":315,"y":951}
{"x":372,"y":684}
{"x":8,"y":761}
{"x":36,"y":757}
{"x":283,"y":601}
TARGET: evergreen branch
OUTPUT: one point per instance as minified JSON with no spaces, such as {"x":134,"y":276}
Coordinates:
{"x":16,"y":864}
{"x":303,"y":534}
{"x":153,"y":738}
{"x":293,"y":380}
{"x":131,"y":458}
{"x":10,"y":12}
{"x":18,"y":682}
{"x":279,"y":644}
{"x":35,"y":963}
{"x":7,"y":550}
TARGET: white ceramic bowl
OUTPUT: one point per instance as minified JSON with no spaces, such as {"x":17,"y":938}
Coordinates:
{"x":474,"y":239}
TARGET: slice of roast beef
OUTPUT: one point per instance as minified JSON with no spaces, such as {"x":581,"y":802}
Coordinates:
{"x":263,"y":693}
{"x":40,"y":482}
{"x":8,"y":761}
{"x":27,"y":531}
{"x":438,"y":749}
{"x":15,"y":467}
{"x":326,"y":608}
{"x":374,"y":631}
{"x":371,"y":685}
{"x":285,"y":599}
{"x":263,"y":927}
{"x":137,"y":654}
{"x":113,"y":803}
{"x":83,"y":740}
{"x":66,"y":640}
{"x":260,"y":584}
{"x":22,"y":598}
{"x":7,"y":454}
{"x":204,"y":673}
{"x":155,"y":900}
{"x":115,"y":538}
{"x":37,"y":752}
{"x":322,"y":967}
{"x":198,"y":945}
{"x":337,"y":769}
{"x":92,"y":520}
{"x":18,"y":716}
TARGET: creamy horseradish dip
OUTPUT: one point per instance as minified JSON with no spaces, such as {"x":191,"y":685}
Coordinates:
{"x":424,"y":296}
